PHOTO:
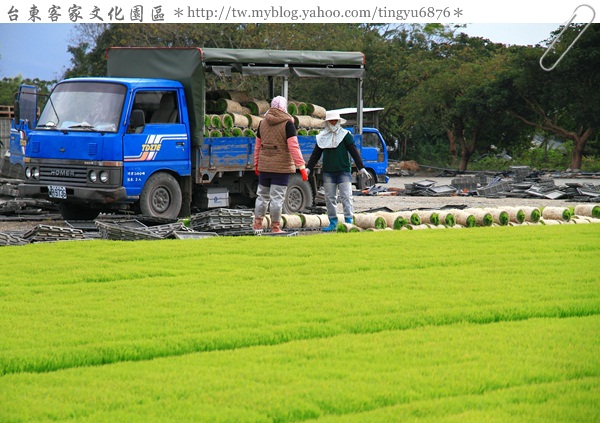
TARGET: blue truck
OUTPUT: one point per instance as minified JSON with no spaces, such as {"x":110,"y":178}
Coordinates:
{"x":137,"y":140}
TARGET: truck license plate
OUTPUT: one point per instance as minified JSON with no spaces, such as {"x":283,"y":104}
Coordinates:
{"x":57,"y":192}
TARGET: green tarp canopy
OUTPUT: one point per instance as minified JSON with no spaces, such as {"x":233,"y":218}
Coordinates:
{"x":188,"y":65}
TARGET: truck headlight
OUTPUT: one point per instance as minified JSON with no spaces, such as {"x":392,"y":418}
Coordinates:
{"x":93,"y":176}
{"x":104,"y":177}
{"x":32,"y":173}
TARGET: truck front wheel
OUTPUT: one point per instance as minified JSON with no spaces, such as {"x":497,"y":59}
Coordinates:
{"x":161,"y":197}
{"x":298,"y":196}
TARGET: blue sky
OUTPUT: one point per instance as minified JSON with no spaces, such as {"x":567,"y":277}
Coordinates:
{"x":34,"y":50}
{"x":40,"y":50}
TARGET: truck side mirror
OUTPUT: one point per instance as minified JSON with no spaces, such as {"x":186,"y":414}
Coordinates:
{"x":394,"y":147}
{"x":17,"y":108}
{"x":137,"y":121}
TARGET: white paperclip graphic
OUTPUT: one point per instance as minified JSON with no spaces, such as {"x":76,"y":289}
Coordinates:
{"x":561,"y":33}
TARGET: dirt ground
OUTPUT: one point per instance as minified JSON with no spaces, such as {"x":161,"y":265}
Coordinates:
{"x":362,"y":203}
{"x":383,"y":200}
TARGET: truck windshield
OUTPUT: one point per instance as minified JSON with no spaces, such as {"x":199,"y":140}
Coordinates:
{"x":84,"y":106}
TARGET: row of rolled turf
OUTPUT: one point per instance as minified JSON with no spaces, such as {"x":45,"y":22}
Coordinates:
{"x":450,"y":218}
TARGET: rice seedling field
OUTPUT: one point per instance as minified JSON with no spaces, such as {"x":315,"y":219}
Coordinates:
{"x":484,"y":324}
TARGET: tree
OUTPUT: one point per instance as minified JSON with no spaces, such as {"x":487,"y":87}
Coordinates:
{"x":456,"y":93}
{"x":564,"y":101}
{"x":10,"y":86}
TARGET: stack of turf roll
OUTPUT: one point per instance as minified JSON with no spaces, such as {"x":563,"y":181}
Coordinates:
{"x":228,"y":115}
{"x":310,"y":221}
{"x":582,"y":220}
{"x":588,"y":210}
{"x":482,"y":217}
{"x":516,"y":215}
{"x":324,"y":220}
{"x":291,"y":221}
{"x":369,"y":220}
{"x":532,"y":214}
{"x":348,"y":227}
{"x":297,"y":108}
{"x":315,"y":110}
{"x":429,"y":217}
{"x":432,"y":226}
{"x":446,"y":218}
{"x":465,"y":218}
{"x":499,"y":216}
{"x":560,"y":214}
{"x":257,"y":107}
{"x":389,"y":218}
{"x":253,"y":121}
{"x":308,"y":123}
{"x":300,"y":108}
{"x":236,"y":119}
{"x":223,"y":105}
{"x":418,"y":227}
{"x":229,"y":109}
{"x":410,"y":217}
{"x":397,"y":220}
{"x":216,"y":121}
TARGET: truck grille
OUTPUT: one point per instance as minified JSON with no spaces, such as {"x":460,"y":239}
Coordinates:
{"x":63,"y":175}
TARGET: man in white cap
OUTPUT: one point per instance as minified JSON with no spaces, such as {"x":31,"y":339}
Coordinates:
{"x":334,"y":143}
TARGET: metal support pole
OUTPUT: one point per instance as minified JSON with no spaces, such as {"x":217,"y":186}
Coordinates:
{"x":271,"y":81}
{"x":359,"y":107}
{"x":284,"y":88}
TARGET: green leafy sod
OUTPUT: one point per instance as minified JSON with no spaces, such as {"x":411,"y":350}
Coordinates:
{"x":400,"y":222}
{"x":203,"y":330}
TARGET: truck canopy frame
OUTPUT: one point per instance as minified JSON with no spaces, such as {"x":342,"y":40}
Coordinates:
{"x":189,"y":65}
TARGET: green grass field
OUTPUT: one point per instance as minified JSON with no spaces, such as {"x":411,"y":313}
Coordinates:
{"x":483,"y":324}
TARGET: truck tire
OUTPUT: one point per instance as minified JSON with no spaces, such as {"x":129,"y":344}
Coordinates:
{"x":161,"y":196}
{"x":70,"y":211}
{"x":298,"y":196}
{"x":361,"y":183}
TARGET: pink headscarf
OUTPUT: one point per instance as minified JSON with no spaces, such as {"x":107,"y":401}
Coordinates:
{"x":280,"y":103}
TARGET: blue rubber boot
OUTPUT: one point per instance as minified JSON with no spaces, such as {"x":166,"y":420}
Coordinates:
{"x":349,"y":220}
{"x":332,"y":226}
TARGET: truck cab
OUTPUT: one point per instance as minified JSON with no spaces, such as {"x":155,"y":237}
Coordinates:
{"x":91,"y":150}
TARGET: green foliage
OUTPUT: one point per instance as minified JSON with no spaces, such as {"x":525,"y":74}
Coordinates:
{"x":563,"y":102}
{"x":10,"y":86}
{"x":590,"y":164}
{"x":450,"y":96}
{"x":232,"y":329}
{"x":492,"y":163}
{"x":539,"y":158}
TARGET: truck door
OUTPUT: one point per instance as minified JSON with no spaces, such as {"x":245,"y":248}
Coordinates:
{"x":161,"y":143}
{"x":26,"y":106}
{"x":372,"y":149}
{"x":374,"y":154}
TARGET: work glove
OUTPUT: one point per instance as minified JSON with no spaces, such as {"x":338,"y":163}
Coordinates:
{"x":304,"y":173}
{"x":256,"y":172}
{"x":365,"y":174}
